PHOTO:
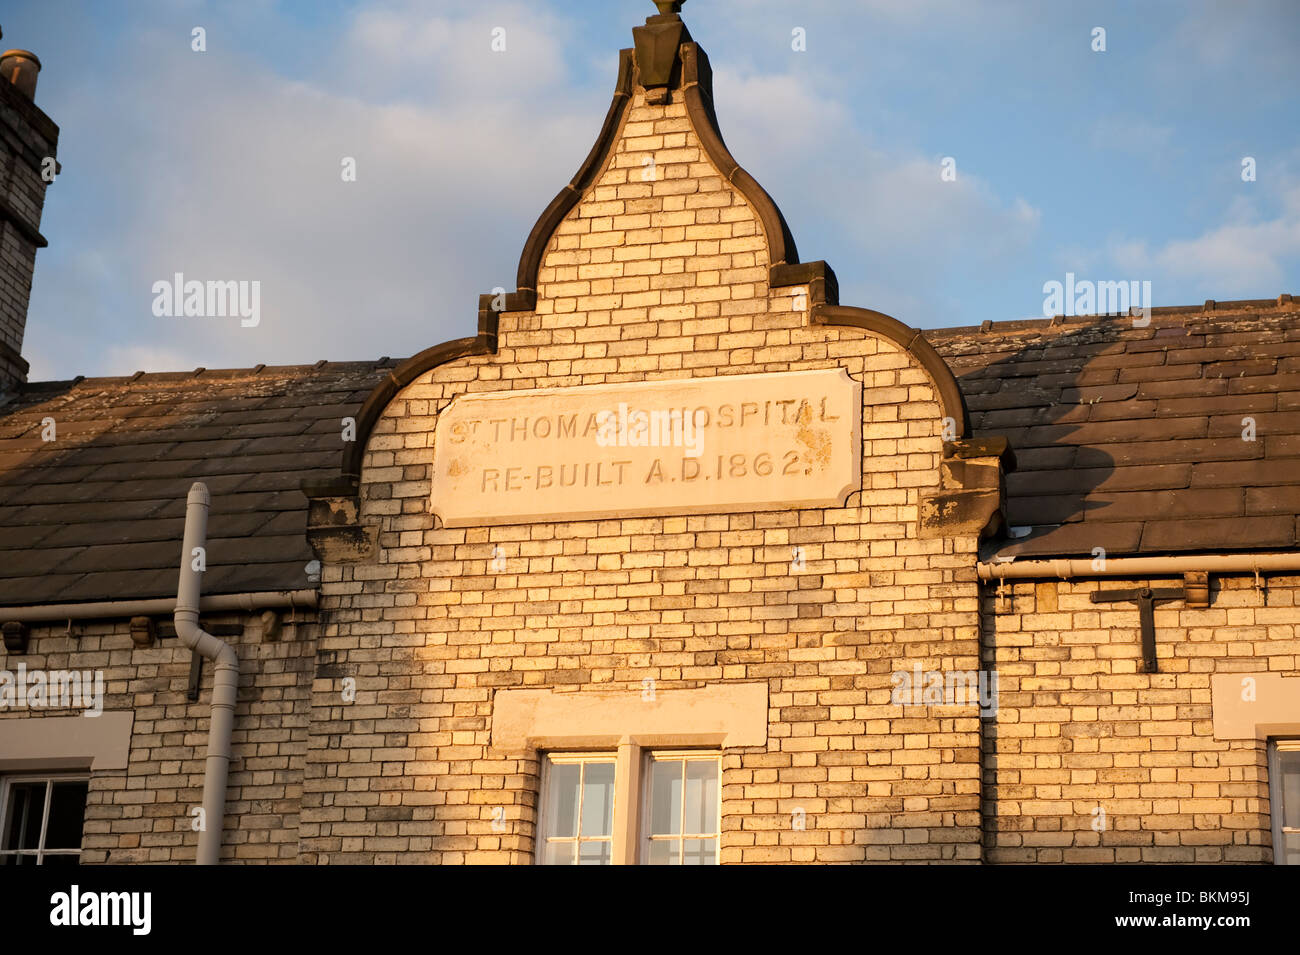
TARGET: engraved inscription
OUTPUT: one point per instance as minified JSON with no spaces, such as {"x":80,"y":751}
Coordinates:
{"x":692,"y":446}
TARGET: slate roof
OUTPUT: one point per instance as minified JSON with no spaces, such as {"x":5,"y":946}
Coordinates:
{"x":1131,"y":438}
{"x":1126,"y":438}
{"x":97,"y":514}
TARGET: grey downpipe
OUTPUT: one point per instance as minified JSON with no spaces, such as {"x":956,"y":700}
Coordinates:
{"x":225,"y":678}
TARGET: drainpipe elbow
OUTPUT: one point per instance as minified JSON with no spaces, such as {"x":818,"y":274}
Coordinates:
{"x":203,"y":643}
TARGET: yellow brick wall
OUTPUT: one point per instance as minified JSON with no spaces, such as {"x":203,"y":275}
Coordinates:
{"x":141,"y":814}
{"x":653,"y":279}
{"x":659,"y":278}
{"x":1080,"y":731}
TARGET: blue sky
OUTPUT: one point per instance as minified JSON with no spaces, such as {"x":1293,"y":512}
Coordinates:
{"x":1115,"y":165}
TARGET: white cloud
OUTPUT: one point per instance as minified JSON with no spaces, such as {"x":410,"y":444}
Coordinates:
{"x":227,"y":171}
{"x":403,"y":47}
{"x":900,"y":219}
{"x":1240,"y":259}
{"x":221,"y":166}
{"x":223,"y":169}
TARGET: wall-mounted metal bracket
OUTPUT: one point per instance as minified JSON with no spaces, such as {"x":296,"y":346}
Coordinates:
{"x":196,"y":676}
{"x":1146,"y":598}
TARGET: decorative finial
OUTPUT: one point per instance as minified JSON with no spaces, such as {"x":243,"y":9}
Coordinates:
{"x":656,"y":49}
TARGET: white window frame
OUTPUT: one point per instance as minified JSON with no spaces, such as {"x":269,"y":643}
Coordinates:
{"x":644,"y":836}
{"x":40,"y":852}
{"x":1275,"y":747}
{"x":631,"y":824}
{"x":543,"y":804}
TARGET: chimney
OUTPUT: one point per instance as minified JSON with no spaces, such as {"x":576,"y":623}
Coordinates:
{"x":28,"y":141}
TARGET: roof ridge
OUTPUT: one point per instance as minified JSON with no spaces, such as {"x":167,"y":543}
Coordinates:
{"x":1211,"y":306}
{"x":366,"y":365}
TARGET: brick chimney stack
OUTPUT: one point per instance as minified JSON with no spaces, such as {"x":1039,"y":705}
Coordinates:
{"x":28,"y":141}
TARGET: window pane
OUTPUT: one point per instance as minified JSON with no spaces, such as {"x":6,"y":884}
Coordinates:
{"x":579,"y":804}
{"x":559,"y":853}
{"x":1291,"y":848}
{"x":60,"y":859}
{"x":594,"y":853}
{"x":23,"y":815}
{"x":598,"y":799}
{"x":663,"y":852}
{"x":1289,"y":763}
{"x":562,"y":799}
{"x":701,"y":795}
{"x":67,"y":813}
{"x":700,"y":851}
{"x":665,"y":796}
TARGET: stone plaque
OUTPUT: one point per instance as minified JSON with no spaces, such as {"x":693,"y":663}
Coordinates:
{"x":690,"y":446}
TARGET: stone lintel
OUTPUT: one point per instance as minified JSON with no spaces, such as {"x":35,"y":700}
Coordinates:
{"x":721,"y":714}
{"x":1255,"y":705}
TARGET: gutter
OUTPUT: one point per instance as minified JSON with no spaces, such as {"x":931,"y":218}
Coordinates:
{"x":225,"y":679}
{"x":1082,"y":567}
{"x":110,"y":609}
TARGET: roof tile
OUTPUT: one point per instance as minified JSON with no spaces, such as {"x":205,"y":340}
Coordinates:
{"x":1162,"y":467}
{"x":1126,"y":438}
{"x":98,"y":513}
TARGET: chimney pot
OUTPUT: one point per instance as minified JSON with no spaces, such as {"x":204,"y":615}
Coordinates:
{"x":20,"y":67}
